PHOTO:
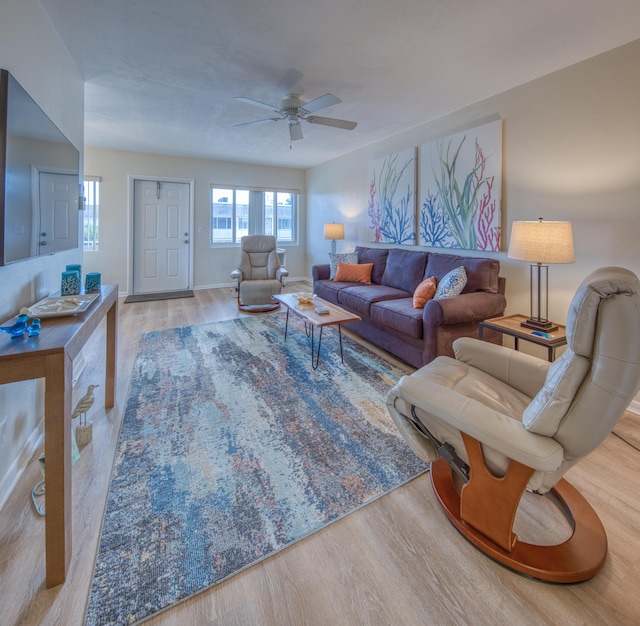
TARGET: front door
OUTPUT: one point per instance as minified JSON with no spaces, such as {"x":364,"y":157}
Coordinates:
{"x":161,"y":235}
{"x":58,"y":212}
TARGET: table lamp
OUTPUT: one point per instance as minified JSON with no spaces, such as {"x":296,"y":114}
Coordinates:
{"x":541,"y":243}
{"x":333,"y":231}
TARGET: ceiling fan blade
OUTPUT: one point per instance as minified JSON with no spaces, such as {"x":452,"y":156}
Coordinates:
{"x":295,"y":131}
{"x":321,"y":103}
{"x":331,"y":121}
{"x":257,"y":103}
{"x":256,"y":122}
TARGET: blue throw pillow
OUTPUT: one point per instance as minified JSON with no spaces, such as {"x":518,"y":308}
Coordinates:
{"x":452,"y":283}
{"x":343,"y":257}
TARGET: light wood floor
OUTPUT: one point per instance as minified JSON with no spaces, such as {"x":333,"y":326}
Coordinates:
{"x":396,"y":561}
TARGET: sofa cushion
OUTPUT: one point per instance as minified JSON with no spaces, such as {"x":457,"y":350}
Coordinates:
{"x":424,"y":292}
{"x":359,"y":298}
{"x":404,"y":269}
{"x":342,"y":257}
{"x":482,"y":273}
{"x":354,"y":273}
{"x":399,"y":315}
{"x":451,"y":284}
{"x":377,"y":256}
{"x":329,"y":289}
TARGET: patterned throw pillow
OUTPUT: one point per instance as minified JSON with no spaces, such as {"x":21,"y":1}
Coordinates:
{"x":343,"y":257}
{"x":452,"y":283}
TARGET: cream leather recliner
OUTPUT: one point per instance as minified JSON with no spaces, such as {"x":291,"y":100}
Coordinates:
{"x":259,"y":274}
{"x":494,"y":422}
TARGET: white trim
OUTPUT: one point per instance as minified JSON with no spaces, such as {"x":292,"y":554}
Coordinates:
{"x":634,"y":407}
{"x":11,"y":478}
{"x":131,"y":179}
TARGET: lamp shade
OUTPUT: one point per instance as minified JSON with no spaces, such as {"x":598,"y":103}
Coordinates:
{"x":541,"y":242}
{"x":334,"y":231}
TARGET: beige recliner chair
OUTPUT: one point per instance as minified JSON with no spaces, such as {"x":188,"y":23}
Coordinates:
{"x":494,"y":422}
{"x":259,"y":274}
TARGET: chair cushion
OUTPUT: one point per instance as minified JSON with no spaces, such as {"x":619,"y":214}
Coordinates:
{"x":342,"y":257}
{"x":451,"y":284}
{"x":255,"y":292}
{"x":424,"y":292}
{"x":546,"y":411}
{"x":354,"y":272}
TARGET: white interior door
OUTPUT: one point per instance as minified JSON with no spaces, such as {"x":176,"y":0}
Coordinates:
{"x":58,"y":200}
{"x":161,"y":236}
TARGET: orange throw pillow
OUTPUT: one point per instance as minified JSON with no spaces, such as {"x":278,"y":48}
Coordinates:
{"x":354,"y":273}
{"x":424,"y":292}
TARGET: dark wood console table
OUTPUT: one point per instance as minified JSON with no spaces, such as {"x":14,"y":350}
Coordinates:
{"x":50,"y":356}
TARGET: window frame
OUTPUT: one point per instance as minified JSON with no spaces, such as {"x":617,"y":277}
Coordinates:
{"x":91,"y":212}
{"x":256,"y":219}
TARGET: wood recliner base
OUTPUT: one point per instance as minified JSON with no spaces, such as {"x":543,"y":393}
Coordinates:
{"x":484,"y":512}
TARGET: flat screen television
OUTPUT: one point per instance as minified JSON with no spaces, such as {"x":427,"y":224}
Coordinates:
{"x":40,"y":192}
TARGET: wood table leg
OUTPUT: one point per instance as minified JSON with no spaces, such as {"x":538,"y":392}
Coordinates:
{"x":57,"y":452}
{"x":110,"y":366}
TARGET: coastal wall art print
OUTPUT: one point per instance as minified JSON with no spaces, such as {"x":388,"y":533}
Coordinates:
{"x":460,"y":190}
{"x":392,"y":198}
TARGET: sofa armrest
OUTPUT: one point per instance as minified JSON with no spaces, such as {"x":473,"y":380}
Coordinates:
{"x":281,"y":273}
{"x":237,"y":274}
{"x":467,"y":307}
{"x":320,"y":272}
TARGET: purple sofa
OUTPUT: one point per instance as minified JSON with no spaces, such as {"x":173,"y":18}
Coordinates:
{"x":416,"y":336}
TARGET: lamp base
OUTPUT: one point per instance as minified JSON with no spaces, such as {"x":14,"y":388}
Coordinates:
{"x":545,"y":325}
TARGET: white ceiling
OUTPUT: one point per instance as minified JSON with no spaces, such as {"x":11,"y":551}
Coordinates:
{"x":161,"y":75}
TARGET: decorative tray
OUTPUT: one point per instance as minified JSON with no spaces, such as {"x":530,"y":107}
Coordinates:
{"x":58,"y":306}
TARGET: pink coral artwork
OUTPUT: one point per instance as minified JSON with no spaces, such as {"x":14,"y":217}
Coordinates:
{"x":460,"y":190}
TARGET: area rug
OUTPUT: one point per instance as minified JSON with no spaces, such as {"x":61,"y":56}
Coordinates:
{"x":232,"y":448}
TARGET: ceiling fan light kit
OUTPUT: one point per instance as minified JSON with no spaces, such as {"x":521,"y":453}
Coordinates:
{"x":293,"y":109}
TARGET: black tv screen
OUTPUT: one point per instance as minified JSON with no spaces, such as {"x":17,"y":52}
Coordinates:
{"x":39,"y":182}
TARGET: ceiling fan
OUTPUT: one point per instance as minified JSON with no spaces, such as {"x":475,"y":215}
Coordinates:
{"x":293,"y":109}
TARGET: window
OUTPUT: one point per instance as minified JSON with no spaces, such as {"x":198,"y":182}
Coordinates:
{"x":239,"y":212}
{"x":91,"y":212}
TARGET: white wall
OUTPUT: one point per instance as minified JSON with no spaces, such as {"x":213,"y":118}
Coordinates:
{"x":32,"y":51}
{"x":570,"y":152}
{"x":211,"y":265}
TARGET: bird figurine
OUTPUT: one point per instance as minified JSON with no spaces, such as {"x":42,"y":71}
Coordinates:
{"x":84,"y":404}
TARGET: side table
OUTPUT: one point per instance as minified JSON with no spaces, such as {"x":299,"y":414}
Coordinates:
{"x":50,"y":356}
{"x":510,"y":325}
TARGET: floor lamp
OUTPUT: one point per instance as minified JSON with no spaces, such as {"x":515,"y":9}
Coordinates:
{"x":333,"y":231}
{"x":541,"y":243}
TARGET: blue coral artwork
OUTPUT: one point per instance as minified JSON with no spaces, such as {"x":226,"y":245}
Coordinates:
{"x":392,"y":198}
{"x":460,"y":190}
